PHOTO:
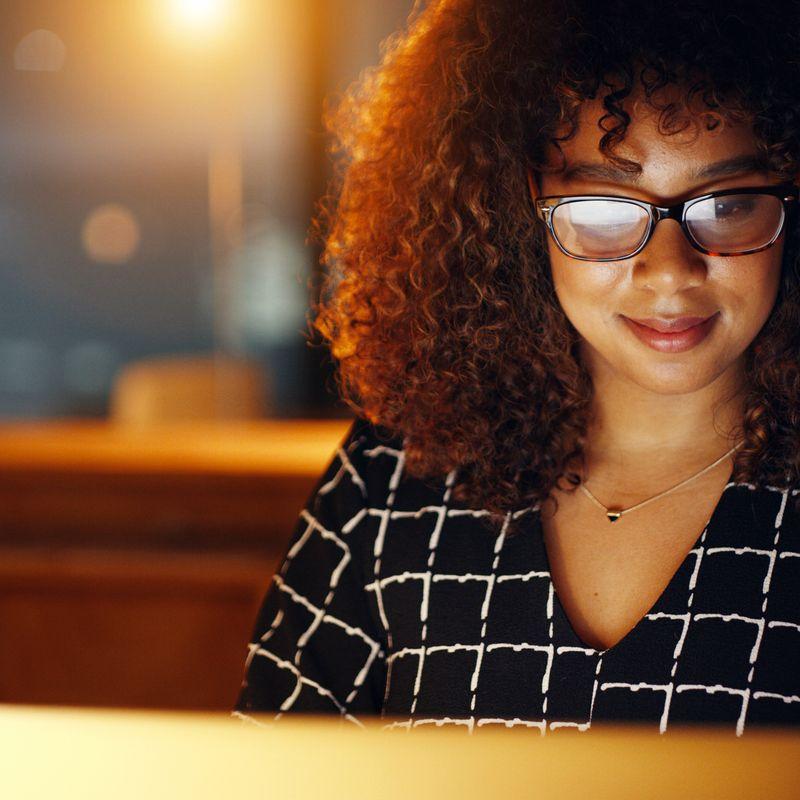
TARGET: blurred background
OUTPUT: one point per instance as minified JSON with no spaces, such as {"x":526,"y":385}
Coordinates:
{"x":162,"y":418}
{"x":160,"y":160}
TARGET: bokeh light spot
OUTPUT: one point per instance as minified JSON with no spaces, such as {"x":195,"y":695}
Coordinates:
{"x":40,"y":51}
{"x":110,"y":234}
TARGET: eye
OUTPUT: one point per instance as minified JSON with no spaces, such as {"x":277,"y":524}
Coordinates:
{"x":730,"y":209}
{"x":734,"y":206}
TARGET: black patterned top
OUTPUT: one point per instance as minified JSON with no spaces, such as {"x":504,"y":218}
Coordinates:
{"x":394,"y":600}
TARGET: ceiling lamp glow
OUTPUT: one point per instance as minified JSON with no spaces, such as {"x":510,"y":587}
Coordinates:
{"x":199,"y":15}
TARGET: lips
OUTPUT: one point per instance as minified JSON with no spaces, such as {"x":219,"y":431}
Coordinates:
{"x":670,"y":325}
{"x":676,"y":341}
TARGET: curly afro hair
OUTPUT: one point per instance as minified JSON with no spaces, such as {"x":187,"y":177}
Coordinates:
{"x":437,"y":300}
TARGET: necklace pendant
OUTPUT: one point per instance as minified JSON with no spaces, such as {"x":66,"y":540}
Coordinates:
{"x":613,"y":516}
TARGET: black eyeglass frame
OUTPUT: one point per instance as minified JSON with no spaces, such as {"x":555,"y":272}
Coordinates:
{"x":788,"y":193}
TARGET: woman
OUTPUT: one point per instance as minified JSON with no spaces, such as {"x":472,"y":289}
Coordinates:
{"x":563,"y":297}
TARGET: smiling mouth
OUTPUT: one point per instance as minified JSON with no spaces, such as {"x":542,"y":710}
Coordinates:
{"x":675,"y":325}
{"x":675,"y":341}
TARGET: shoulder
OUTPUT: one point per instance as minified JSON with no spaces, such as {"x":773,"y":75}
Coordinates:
{"x":363,"y":464}
{"x":765,"y":508}
{"x":371,"y":453}
{"x":369,"y":466}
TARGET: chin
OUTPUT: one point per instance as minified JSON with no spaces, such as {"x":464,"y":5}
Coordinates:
{"x":672,"y":378}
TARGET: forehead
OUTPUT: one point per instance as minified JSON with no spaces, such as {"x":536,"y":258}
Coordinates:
{"x":673,"y":154}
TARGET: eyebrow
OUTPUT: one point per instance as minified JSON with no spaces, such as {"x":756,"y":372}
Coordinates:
{"x":586,"y":170}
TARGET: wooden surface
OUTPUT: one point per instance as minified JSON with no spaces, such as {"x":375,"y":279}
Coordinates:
{"x":101,"y":483}
{"x":262,"y":448}
{"x":90,"y":754}
{"x":133,"y":562}
{"x":126,"y":629}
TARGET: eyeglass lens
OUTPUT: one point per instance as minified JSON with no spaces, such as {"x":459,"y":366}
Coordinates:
{"x":609,"y":228}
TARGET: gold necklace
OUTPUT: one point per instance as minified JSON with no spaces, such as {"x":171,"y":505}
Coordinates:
{"x":614,"y":514}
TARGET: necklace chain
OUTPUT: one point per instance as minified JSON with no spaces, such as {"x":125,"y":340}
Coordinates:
{"x":614,"y":514}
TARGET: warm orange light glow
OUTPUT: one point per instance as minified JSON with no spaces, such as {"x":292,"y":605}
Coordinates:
{"x":40,"y":51}
{"x":110,"y":234}
{"x":201,"y":16}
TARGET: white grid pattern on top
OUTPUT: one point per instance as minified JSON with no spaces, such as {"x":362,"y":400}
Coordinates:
{"x":426,"y":577}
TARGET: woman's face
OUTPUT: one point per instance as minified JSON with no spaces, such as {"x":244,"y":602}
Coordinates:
{"x":669,"y":278}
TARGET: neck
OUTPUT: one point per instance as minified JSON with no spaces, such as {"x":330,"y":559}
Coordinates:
{"x":636,"y":430}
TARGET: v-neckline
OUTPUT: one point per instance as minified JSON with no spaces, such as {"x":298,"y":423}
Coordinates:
{"x":558,"y":607}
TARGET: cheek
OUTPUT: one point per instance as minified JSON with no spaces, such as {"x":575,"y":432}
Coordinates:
{"x":750,"y":285}
{"x":583,"y":288}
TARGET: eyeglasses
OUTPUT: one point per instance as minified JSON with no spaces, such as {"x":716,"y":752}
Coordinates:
{"x":730,"y":222}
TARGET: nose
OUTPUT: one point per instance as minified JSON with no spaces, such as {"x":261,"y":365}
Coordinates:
{"x":668,"y":263}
